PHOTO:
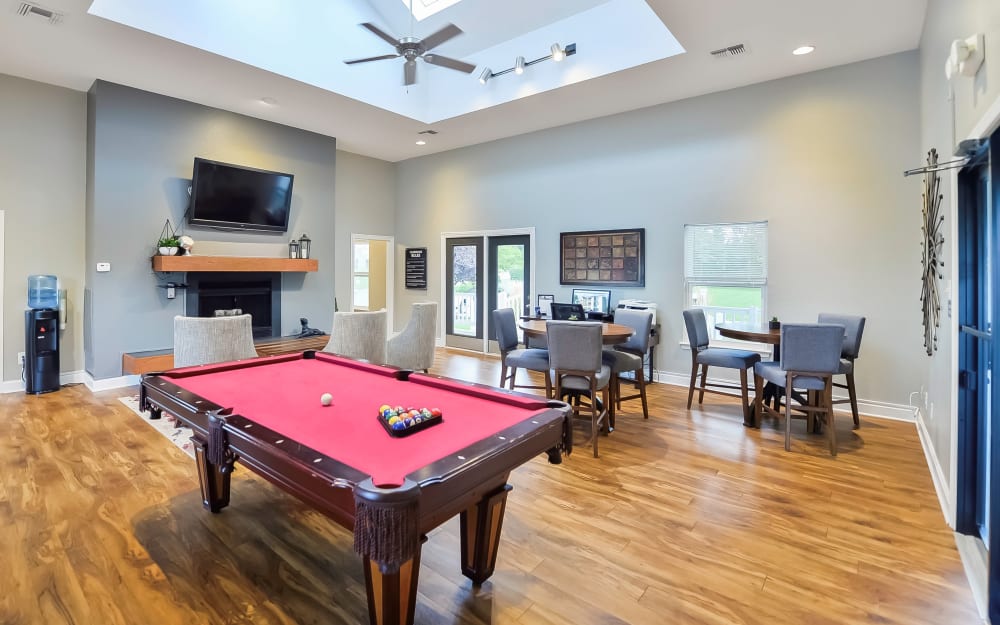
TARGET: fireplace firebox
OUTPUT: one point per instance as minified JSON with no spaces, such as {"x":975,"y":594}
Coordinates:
{"x":223,"y":294}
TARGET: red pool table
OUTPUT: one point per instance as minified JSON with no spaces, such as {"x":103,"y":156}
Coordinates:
{"x":267,"y":413}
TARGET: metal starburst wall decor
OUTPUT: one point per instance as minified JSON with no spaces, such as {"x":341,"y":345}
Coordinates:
{"x":933,"y":241}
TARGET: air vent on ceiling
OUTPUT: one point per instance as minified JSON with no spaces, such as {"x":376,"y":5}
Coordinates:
{"x":427,"y":132}
{"x":737,"y":50}
{"x":27,"y":9}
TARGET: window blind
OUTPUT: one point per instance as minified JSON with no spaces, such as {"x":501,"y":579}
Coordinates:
{"x":726,"y":253}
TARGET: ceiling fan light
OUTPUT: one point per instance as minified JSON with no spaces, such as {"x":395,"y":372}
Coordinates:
{"x":485,"y":76}
{"x":558,"y":53}
{"x":519,"y":65}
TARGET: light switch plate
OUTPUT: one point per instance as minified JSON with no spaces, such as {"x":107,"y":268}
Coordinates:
{"x":103,"y":267}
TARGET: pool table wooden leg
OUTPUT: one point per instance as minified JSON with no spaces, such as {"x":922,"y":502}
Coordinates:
{"x":480,"y":526}
{"x":213,"y":481}
{"x":392,"y":597}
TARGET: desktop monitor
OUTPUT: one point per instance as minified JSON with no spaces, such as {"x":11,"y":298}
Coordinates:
{"x":593,"y":300}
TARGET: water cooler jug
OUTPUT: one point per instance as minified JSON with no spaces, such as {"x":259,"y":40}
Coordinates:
{"x":41,"y":336}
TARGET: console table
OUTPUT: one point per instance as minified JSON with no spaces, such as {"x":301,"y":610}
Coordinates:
{"x":135,"y":363}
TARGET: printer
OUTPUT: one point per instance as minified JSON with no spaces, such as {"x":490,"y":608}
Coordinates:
{"x":638,"y":304}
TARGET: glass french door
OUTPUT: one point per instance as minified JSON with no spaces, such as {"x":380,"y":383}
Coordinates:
{"x":509,"y":281}
{"x":464,"y":292}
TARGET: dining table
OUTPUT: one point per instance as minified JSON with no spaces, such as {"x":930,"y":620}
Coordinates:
{"x":611,"y":333}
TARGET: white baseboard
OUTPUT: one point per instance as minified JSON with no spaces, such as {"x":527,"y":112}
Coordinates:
{"x":937,"y":471}
{"x":107,"y":384}
{"x":975,"y":562}
{"x":866,"y":407}
{"x":17,"y":386}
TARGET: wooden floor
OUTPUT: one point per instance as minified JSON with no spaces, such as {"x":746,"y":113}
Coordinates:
{"x":685,"y":518}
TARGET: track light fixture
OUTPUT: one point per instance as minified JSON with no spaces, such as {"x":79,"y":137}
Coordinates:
{"x":557,"y":53}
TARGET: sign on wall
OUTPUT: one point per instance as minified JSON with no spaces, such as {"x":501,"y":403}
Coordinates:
{"x":416,"y":267}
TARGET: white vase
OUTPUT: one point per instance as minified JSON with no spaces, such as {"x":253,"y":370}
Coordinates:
{"x":168,"y":251}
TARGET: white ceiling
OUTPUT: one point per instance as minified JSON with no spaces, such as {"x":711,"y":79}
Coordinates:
{"x":84,"y":47}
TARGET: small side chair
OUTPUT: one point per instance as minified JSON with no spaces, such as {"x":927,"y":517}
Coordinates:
{"x":704,"y":356}
{"x":413,"y":348}
{"x":360,"y":335}
{"x":204,"y":340}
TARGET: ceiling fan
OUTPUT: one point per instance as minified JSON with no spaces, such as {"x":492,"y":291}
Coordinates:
{"x":412,"y":48}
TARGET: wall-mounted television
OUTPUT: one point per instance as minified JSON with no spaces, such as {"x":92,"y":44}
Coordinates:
{"x":239,"y":198}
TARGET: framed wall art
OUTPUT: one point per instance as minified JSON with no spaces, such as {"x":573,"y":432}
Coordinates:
{"x":603,"y":257}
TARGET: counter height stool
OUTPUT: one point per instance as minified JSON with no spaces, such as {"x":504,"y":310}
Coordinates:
{"x":854,"y":327}
{"x":512,"y":358}
{"x":575,"y":358}
{"x":705,"y":356}
{"x":629,"y":355}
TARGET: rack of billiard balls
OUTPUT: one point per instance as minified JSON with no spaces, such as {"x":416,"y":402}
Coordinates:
{"x":399,"y":421}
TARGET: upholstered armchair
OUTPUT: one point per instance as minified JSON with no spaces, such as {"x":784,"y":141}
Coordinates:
{"x":413,"y":348}
{"x":359,"y":335}
{"x":204,"y":340}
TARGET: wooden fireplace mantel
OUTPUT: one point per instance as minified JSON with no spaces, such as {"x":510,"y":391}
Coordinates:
{"x":233,"y":263}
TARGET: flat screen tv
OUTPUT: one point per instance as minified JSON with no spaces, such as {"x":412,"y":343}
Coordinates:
{"x":239,"y":198}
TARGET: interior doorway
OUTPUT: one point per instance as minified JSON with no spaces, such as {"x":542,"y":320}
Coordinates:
{"x":483,"y":271}
{"x":372,"y":272}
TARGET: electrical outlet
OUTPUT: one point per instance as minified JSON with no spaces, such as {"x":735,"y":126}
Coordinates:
{"x":20,"y":358}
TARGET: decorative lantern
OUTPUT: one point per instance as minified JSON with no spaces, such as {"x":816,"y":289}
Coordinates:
{"x":293,"y":249}
{"x":305,"y":245}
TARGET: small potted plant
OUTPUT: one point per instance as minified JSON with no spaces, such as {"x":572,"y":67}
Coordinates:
{"x":774,"y":324}
{"x":168,"y":246}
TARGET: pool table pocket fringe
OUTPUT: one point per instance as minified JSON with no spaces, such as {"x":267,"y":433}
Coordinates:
{"x":386,"y":524}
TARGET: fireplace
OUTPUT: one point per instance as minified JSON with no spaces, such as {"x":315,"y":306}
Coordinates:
{"x":231,"y":293}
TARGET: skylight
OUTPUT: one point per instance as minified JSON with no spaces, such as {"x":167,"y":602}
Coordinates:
{"x":427,"y":8}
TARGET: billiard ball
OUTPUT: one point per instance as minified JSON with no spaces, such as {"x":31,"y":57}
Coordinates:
{"x":435,"y":412}
{"x":393,"y":420}
{"x":326,"y":399}
{"x":383,"y":408}
{"x":398,"y":425}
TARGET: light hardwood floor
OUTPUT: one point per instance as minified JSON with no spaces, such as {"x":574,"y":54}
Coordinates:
{"x":685,"y":518}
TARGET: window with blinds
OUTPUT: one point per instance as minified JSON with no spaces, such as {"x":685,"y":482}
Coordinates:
{"x":725,"y":271}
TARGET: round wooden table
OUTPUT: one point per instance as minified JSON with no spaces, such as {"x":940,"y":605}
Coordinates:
{"x":612,"y":333}
{"x":751,"y":332}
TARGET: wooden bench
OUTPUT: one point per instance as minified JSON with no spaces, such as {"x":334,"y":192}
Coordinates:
{"x":135,"y":363}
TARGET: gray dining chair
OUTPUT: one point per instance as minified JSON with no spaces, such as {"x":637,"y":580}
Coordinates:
{"x":205,"y":340}
{"x":512,"y":358}
{"x":629,"y":355}
{"x":575,"y":358}
{"x":704,"y":357}
{"x":810,"y":356}
{"x":854,"y":327}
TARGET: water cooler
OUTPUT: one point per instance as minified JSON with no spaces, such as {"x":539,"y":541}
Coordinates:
{"x":41,"y":336}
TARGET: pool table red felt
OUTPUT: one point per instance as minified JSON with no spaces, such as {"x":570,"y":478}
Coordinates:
{"x":285,"y":395}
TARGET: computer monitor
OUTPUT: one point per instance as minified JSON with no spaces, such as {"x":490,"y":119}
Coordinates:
{"x":593,"y":300}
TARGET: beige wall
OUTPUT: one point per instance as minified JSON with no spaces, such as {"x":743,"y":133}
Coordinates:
{"x":949,"y":113}
{"x":819,"y":155}
{"x":376,"y":274}
{"x":43,"y":138}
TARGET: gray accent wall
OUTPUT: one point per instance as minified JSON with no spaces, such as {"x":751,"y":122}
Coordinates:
{"x":42,"y":174}
{"x":819,"y":155}
{"x":141,"y":151}
{"x":949,"y":114}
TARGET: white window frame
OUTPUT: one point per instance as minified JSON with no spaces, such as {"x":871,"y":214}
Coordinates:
{"x":761,"y":348}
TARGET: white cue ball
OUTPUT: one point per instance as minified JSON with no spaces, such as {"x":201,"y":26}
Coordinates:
{"x":326,"y":399}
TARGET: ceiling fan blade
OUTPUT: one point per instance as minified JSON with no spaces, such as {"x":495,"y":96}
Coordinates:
{"x":372,"y":58}
{"x":392,"y":41}
{"x":437,"y":38}
{"x":450,"y":63}
{"x":409,"y":72}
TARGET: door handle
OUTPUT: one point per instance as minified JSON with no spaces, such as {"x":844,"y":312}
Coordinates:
{"x":976,"y":332}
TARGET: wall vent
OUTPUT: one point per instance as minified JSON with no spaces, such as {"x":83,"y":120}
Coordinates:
{"x":737,"y":50}
{"x":27,"y":9}
{"x":427,"y":132}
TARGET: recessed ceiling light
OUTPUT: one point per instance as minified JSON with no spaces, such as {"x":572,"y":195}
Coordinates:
{"x":803,"y":50}
{"x":421,"y":142}
{"x":268,"y":101}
